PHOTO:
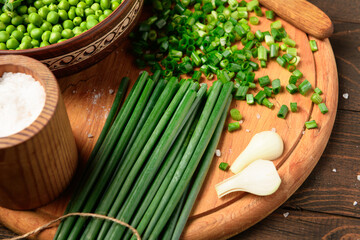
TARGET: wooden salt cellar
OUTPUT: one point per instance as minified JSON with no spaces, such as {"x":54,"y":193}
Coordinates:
{"x":37,"y":163}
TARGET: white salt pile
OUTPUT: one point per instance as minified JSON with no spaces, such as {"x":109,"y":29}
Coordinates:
{"x":21,"y":101}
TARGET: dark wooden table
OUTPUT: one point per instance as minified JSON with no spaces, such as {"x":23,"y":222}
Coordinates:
{"x":325,"y":205}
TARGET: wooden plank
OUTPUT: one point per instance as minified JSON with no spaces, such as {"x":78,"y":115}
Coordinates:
{"x":303,"y":225}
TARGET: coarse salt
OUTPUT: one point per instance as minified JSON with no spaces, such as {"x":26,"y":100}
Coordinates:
{"x":22,"y":99}
{"x":334,"y":170}
{"x":247,"y":130}
{"x":355,"y":203}
{"x":111,"y":91}
{"x":90,"y":135}
{"x":286,"y":214}
{"x":218,"y":152}
{"x":358,"y":177}
{"x":241,"y":121}
{"x":273,"y":129}
{"x":257,"y":115}
{"x":346,"y":95}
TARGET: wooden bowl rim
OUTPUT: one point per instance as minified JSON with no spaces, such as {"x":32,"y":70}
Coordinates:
{"x":77,"y":40}
{"x":52,"y":93}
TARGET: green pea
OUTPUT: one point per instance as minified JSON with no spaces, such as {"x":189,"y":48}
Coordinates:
{"x":2,"y":26}
{"x":26,"y":19}
{"x":64,"y":5}
{"x":22,"y":9}
{"x":92,"y":17}
{"x":98,"y":13}
{"x":17,"y":35}
{"x":57,"y":28}
{"x":25,"y":45}
{"x":35,"y":43}
{"x":44,"y":43}
{"x":10,"y":29}
{"x":81,"y":5}
{"x":89,"y":11}
{"x":46,"y":36}
{"x":29,"y":2}
{"x":21,"y":28}
{"x":36,"y":33}
{"x":38,"y":4}
{"x":3,"y":46}
{"x":5,"y":18}
{"x":54,"y":37}
{"x":35,"y":19}
{"x":78,"y":30}
{"x":43,"y":12}
{"x":89,"y":2}
{"x":26,"y":39}
{"x":95,"y":6}
{"x":48,"y":2}
{"x":63,"y":15}
{"x":12,"y":43}
{"x":107,"y":12}
{"x":71,"y":13}
{"x":79,"y":12}
{"x":32,"y":10}
{"x":114,"y":5}
{"x":77,"y":21}
{"x":53,"y":17}
{"x":17,"y":20}
{"x":67,"y":33}
{"x":46,"y":26}
{"x":68,"y":24}
{"x":53,"y":7}
{"x":11,"y":14}
{"x":97,"y":1}
{"x":102,"y":17}
{"x":91,"y":23}
{"x":4,"y":36}
{"x":83,"y":25}
{"x":73,"y":2}
{"x":61,"y":40}
{"x":104,"y":4}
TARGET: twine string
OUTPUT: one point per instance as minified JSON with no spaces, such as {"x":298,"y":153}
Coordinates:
{"x":48,"y":225}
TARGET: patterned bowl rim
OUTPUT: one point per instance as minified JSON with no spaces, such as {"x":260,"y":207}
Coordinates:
{"x":76,"y":41}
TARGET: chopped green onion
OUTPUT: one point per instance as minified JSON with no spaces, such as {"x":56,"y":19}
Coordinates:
{"x":267,"y":103}
{"x":269,"y":40}
{"x":293,"y":79}
{"x":270,"y":14}
{"x":313,"y":45}
{"x":297,"y":73}
{"x":318,"y":91}
{"x":280,"y":60}
{"x":258,"y":11}
{"x":264,"y":81}
{"x":315,"y":98}
{"x":289,"y":42}
{"x":283,"y":47}
{"x":323,"y":108}
{"x":283,"y":111}
{"x":260,"y":96}
{"x":288,"y":57}
{"x":276,"y":86}
{"x":268,"y":91}
{"x":235,"y":114}
{"x":263,"y":64}
{"x":311,"y":124}
{"x":262,"y":53}
{"x":254,"y":20}
{"x":293,"y":106}
{"x":251,"y":5}
{"x":277,"y":24}
{"x":292,"y":51}
{"x":259,"y":35}
{"x":241,"y":92}
{"x":224,"y":166}
{"x":291,"y":88}
{"x":233,"y":126}
{"x":250,"y":99}
{"x":274,"y":51}
{"x":304,"y":87}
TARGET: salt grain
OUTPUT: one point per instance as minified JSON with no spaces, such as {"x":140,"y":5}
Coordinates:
{"x":286,"y":214}
{"x":273,"y":129}
{"x":111,"y":91}
{"x":334,"y":170}
{"x":218,"y":152}
{"x":257,"y":115}
{"x":358,"y":177}
{"x":241,"y":121}
{"x":74,"y":91}
{"x":90,"y":135}
{"x":346,"y":95}
{"x":247,"y":130}
{"x":21,"y":102}
{"x":303,"y":132}
{"x":355,"y":203}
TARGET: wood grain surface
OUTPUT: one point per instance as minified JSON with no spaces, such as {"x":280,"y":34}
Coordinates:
{"x":323,"y":206}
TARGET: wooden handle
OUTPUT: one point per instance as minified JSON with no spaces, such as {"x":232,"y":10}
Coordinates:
{"x":302,"y":14}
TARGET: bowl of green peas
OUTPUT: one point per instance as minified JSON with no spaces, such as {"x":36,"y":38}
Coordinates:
{"x":65,"y":35}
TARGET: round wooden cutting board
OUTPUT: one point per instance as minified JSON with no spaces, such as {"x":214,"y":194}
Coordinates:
{"x":88,"y":96}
